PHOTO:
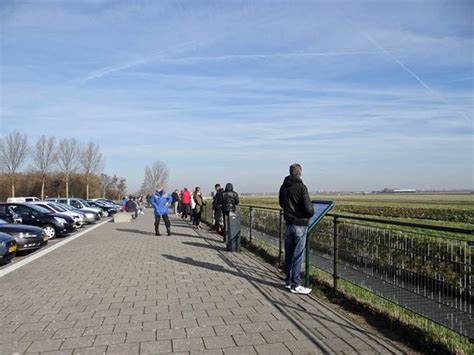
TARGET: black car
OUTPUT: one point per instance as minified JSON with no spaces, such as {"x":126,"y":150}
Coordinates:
{"x":27,"y":237}
{"x":7,"y":214}
{"x":7,"y":248}
{"x":53,"y":224}
{"x":106,"y":209}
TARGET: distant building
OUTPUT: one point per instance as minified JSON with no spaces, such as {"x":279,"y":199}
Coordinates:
{"x":404,"y":191}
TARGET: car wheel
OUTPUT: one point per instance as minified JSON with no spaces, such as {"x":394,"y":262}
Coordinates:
{"x":106,"y":213}
{"x":49,"y":231}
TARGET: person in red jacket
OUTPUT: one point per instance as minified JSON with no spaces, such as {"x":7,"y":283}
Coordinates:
{"x":186,"y":203}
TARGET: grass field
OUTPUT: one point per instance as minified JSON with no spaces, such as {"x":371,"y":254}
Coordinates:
{"x":455,"y":210}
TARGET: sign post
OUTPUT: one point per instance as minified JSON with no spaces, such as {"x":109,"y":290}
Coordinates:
{"x":321,"y":208}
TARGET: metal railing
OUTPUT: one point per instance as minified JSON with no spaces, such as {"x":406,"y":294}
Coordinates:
{"x":423,"y":268}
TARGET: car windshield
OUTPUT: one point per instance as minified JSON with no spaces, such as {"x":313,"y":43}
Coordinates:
{"x":71,"y":208}
{"x":45,"y":205}
{"x":3,"y":222}
{"x":85,"y":203}
{"x":58,"y":207}
{"x":39,"y":208}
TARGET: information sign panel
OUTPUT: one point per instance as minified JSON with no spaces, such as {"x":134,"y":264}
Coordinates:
{"x":320,"y":210}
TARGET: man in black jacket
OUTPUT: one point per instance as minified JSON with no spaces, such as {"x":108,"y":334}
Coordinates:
{"x":297,"y":210}
{"x":226,"y":202}
{"x":218,"y":217}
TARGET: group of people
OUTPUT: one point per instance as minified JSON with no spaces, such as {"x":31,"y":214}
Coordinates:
{"x":191,"y":205}
{"x":133,"y":204}
{"x":224,"y":201}
{"x":293,"y":198}
{"x":188,"y":204}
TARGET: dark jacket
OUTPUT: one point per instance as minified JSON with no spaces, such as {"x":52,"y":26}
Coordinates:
{"x":217,"y":197}
{"x":295,"y":201}
{"x":131,"y":206}
{"x":175,"y":196}
{"x":228,"y":199}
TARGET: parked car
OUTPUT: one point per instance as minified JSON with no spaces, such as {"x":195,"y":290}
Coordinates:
{"x":53,"y":224}
{"x":58,"y":208}
{"x":89,"y":217}
{"x":77,"y":203}
{"x":110,"y":202}
{"x":8,"y":215}
{"x":107,"y":210}
{"x":7,"y":248}
{"x":27,"y":237}
{"x":22,"y":199}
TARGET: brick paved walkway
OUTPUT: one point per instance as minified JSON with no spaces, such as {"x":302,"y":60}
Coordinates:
{"x":121,"y":290}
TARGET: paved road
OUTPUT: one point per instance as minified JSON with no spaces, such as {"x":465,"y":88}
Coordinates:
{"x":121,"y":290}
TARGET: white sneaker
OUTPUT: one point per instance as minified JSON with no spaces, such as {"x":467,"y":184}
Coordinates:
{"x":288,"y":286}
{"x":301,"y":290}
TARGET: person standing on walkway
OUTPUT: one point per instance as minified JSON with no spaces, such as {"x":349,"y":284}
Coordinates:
{"x":217,"y":210}
{"x":297,"y":210}
{"x":185,"y":202}
{"x":192,"y":206}
{"x":160,"y":200}
{"x":124,"y":203}
{"x":175,"y":197}
{"x":197,"y":196}
{"x":132,"y":207}
{"x":227,"y":201}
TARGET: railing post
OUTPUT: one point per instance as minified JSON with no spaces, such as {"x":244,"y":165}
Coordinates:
{"x":250,"y":224}
{"x":307,"y":262}
{"x":280,"y":239}
{"x":335,"y":274}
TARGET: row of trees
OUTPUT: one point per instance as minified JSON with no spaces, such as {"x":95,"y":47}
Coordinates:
{"x":67,"y":156}
{"x":29,"y":183}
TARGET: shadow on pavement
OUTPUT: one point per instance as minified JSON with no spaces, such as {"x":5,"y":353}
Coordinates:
{"x":206,"y":246}
{"x":217,"y":267}
{"x":136,"y":231}
{"x":263,"y":282}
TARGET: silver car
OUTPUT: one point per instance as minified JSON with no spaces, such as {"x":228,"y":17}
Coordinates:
{"x":79,"y":220}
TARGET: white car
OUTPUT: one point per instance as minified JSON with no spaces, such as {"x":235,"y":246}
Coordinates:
{"x":22,"y":199}
{"x":58,"y":208}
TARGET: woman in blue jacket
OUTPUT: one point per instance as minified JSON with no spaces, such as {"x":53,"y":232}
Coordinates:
{"x":160,"y":200}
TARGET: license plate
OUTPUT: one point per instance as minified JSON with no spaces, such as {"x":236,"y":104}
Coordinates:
{"x":12,"y":249}
{"x":45,"y":239}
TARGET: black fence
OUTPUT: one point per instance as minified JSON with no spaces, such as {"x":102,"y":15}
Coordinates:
{"x":422,"y":268}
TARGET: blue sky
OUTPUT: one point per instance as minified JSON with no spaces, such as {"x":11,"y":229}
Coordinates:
{"x":364,"y":94}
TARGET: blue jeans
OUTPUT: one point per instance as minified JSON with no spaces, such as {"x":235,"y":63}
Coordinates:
{"x":295,"y":241}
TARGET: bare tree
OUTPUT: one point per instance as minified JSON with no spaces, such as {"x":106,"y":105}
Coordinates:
{"x":156,"y":174}
{"x":92,"y":161}
{"x":121,"y":187}
{"x":44,"y":157}
{"x":13,"y":152}
{"x":67,"y":159}
{"x":104,"y":181}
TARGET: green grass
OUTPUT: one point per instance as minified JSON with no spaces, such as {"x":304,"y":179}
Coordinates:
{"x":450,"y":210}
{"x":458,"y":201}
